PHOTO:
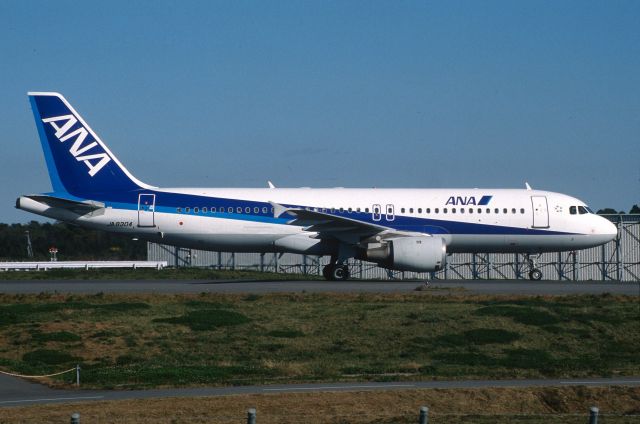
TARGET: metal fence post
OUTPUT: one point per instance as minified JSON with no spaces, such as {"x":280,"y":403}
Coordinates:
{"x":78,"y":375}
{"x":75,"y":418}
{"x":593,"y":415}
{"x":251,"y":416}
{"x":424,"y":415}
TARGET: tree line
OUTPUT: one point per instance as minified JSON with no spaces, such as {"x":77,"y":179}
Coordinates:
{"x":72,"y":242}
{"x":635,"y":209}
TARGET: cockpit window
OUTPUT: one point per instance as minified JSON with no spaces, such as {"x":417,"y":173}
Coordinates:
{"x":582,"y":210}
{"x":572,"y":210}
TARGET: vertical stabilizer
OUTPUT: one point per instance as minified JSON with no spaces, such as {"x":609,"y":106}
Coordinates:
{"x":79,"y":162}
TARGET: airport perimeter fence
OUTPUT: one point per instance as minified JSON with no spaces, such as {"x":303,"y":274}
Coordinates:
{"x":423,"y":416}
{"x":618,"y":260}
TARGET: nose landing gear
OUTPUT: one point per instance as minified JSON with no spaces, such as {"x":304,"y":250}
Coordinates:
{"x":534,"y":272}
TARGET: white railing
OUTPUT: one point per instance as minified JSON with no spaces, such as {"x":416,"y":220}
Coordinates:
{"x":23,"y":266}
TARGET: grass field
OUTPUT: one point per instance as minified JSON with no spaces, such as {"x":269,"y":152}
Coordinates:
{"x":152,"y":274}
{"x":566,"y":405}
{"x":141,"y":341}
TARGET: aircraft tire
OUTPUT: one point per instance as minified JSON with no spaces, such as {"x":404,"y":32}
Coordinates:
{"x":327,"y":272}
{"x":535,"y":274}
{"x":340,"y":273}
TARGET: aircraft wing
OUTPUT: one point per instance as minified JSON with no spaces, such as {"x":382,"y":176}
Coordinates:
{"x":330,"y":226}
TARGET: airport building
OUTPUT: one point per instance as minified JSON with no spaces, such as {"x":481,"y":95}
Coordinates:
{"x":617,"y":260}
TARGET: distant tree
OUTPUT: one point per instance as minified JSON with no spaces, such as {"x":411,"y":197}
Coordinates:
{"x":73,"y":243}
{"x":635,"y":209}
{"x":607,"y":211}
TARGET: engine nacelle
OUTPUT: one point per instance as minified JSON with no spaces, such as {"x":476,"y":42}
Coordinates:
{"x":419,"y":254}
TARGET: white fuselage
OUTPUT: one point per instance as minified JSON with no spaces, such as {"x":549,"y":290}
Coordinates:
{"x":242,"y":220}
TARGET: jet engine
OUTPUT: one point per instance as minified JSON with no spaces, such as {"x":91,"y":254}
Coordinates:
{"x":414,"y":253}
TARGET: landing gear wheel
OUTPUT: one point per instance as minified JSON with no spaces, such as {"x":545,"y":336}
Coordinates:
{"x":340,"y":273}
{"x":327,"y":271}
{"x":535,"y":274}
{"x":333,"y":272}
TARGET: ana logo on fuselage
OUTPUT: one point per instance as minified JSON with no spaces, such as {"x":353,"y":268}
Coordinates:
{"x":94,"y":161}
{"x":468,"y":200}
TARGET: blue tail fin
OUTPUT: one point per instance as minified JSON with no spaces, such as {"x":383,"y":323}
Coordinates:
{"x":78,"y":161}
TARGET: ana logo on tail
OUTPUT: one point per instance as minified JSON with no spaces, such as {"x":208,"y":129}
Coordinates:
{"x":94,"y":161}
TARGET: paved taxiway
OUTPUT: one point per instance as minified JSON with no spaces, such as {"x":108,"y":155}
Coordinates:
{"x":443,"y":287}
{"x":15,"y":392}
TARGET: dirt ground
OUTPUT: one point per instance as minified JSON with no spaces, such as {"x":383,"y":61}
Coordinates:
{"x":564,"y":404}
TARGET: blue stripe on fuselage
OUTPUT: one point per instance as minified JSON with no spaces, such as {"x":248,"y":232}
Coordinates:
{"x":168,"y":202}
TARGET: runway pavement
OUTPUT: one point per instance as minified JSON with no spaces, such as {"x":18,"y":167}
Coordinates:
{"x":16,"y":392}
{"x":440,"y":287}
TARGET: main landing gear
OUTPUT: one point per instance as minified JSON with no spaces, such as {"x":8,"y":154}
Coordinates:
{"x":336,"y":272}
{"x":534,"y":272}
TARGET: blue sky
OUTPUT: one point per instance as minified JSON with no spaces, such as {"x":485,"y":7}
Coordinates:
{"x":334,"y":93}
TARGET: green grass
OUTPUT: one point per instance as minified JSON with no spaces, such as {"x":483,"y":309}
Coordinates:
{"x":152,"y":340}
{"x":207,"y":319}
{"x":152,"y":274}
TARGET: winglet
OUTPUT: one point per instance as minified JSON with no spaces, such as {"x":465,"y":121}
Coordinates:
{"x":526,"y":184}
{"x":271,"y":184}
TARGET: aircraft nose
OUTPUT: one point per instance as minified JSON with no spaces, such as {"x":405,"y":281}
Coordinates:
{"x":608,"y":229}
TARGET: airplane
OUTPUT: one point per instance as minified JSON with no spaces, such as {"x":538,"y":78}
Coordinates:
{"x":398,"y":229}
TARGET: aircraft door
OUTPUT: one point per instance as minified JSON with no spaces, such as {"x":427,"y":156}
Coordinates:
{"x":540,"y":212}
{"x":146,"y":210}
{"x":376,"y":212}
{"x":390,"y":213}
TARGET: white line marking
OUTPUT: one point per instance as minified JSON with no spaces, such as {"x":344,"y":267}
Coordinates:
{"x":340,"y":387}
{"x":52,"y":399}
{"x":602,"y":382}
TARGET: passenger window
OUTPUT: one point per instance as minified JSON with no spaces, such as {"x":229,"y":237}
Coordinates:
{"x":179,"y":210}
{"x":513,"y":210}
{"x":453,"y":210}
{"x":264,"y":209}
{"x":358,"y":210}
{"x":187,"y":210}
{"x":366,"y":210}
{"x":247,"y":210}
{"x":461,"y":210}
{"x":256,"y":210}
{"x":522,"y":210}
{"x":271,"y":210}
{"x":239,"y":209}
{"x":341,"y":210}
{"x":204,"y":210}
{"x":470,"y":210}
{"x":213,"y":209}
{"x":410,"y":210}
{"x":504,"y":210}
{"x":496,"y":210}
{"x":196,"y":210}
{"x":333,"y":210}
{"x":428,"y":210}
{"x":349,"y":210}
{"x":479,"y":210}
{"x":572,"y":210}
{"x":488,"y":210}
{"x":436,"y":210}
{"x":402,"y":210}
{"x":419,"y":210}
{"x":444,"y":210}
